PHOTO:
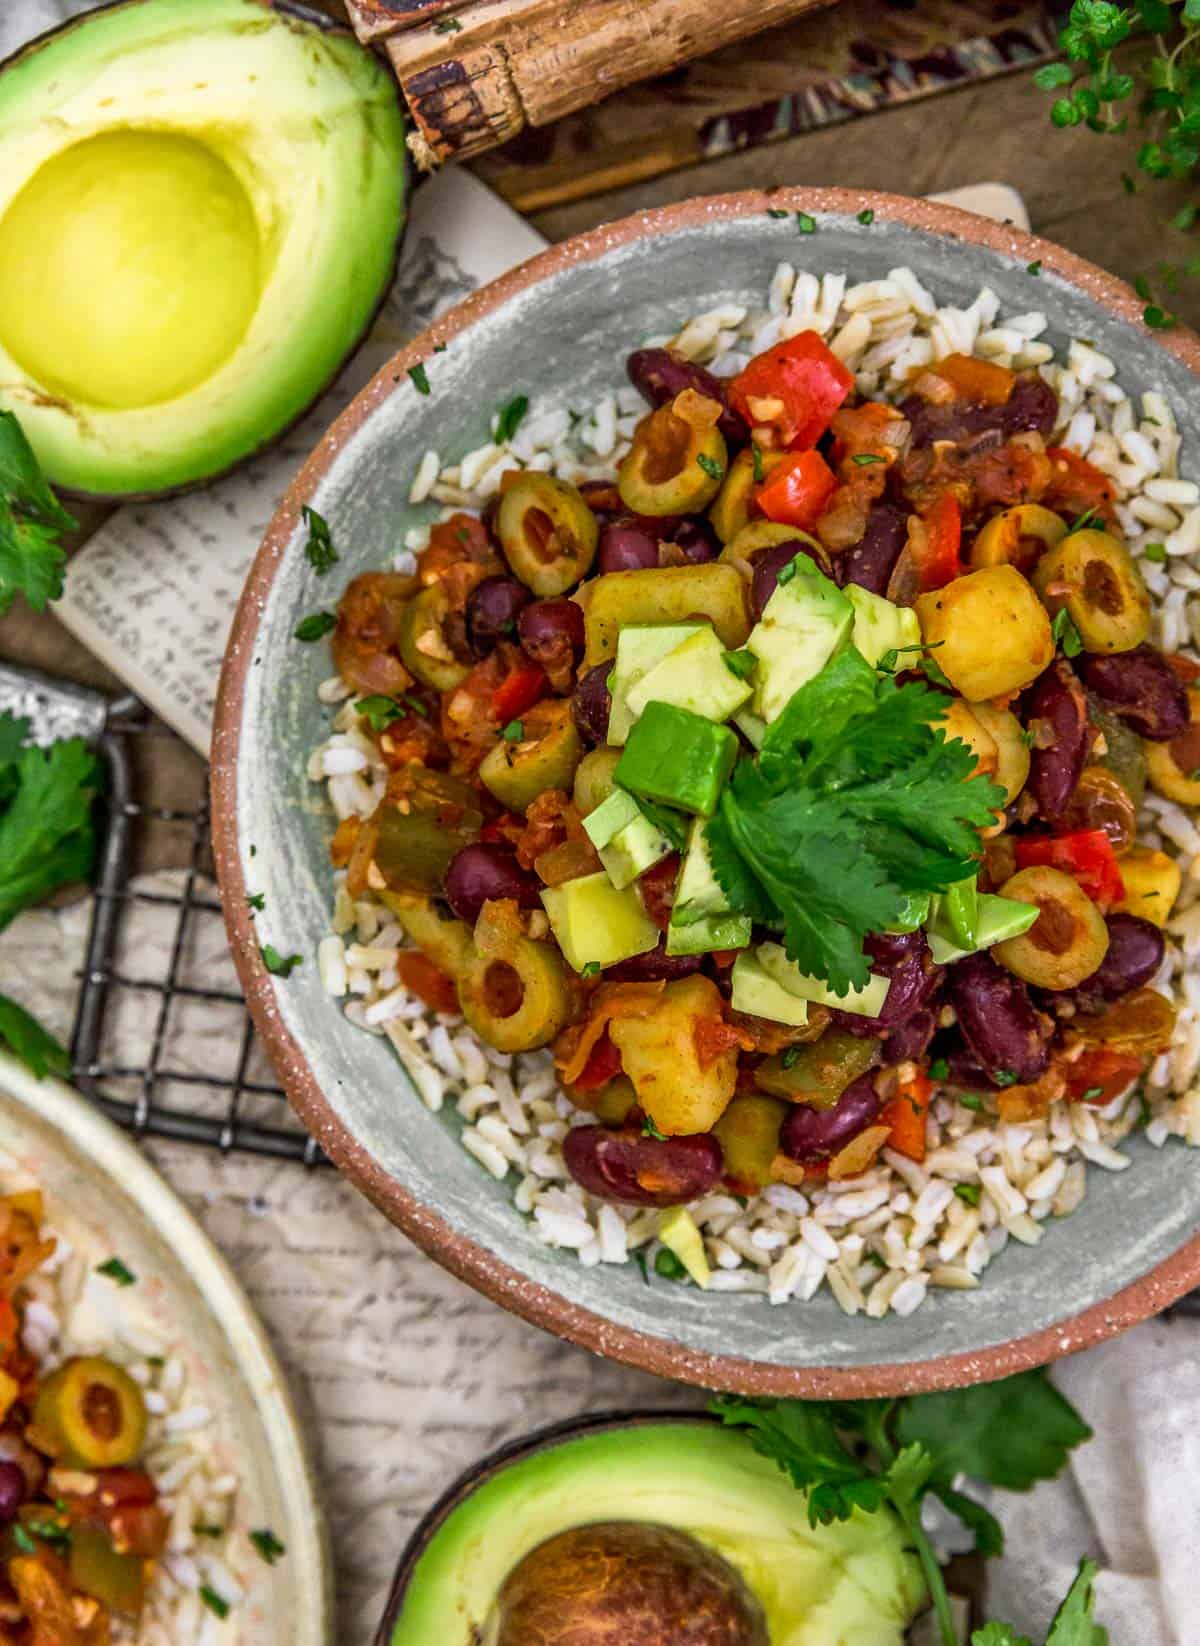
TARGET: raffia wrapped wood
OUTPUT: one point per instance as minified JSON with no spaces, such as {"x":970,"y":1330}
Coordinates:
{"x":475,"y":74}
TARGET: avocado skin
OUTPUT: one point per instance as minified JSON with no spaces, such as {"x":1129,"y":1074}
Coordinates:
{"x":848,"y":1584}
{"x":344,"y":269}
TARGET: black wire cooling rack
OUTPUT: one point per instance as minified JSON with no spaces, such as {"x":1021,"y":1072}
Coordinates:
{"x":235,"y":1104}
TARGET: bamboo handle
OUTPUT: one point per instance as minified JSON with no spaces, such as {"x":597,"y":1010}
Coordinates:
{"x":515,"y":63}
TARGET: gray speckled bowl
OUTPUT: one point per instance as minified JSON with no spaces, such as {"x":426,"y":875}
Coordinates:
{"x":560,"y":326}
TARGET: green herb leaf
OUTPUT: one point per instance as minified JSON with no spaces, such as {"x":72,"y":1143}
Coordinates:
{"x":1011,"y":1434}
{"x":668,"y":1265}
{"x":1066,"y":634}
{"x":866,"y":215}
{"x":805,"y":223}
{"x":268,"y":1545}
{"x":1158,"y":318}
{"x":939,"y":1069}
{"x":803,"y":1439}
{"x":1156,"y":553}
{"x":256,"y":901}
{"x":640,"y":1259}
{"x":420,"y":378}
{"x":1004,"y":1077}
{"x":47,"y":838}
{"x":509,"y":418}
{"x":972,"y":1101}
{"x":202,"y":1530}
{"x":1052,"y":75}
{"x":711,"y":467}
{"x":1034,"y":268}
{"x":591,"y":968}
{"x":969,"y":1193}
{"x":514,"y":731}
{"x":315,"y":627}
{"x":447,"y":25}
{"x":791,"y":1056}
{"x":999,"y":1634}
{"x":380,"y":712}
{"x":756,"y":458}
{"x":215,"y":1602}
{"x":31,"y":519}
{"x":1092,"y":1091}
{"x":23,"y":1540}
{"x":319,"y":550}
{"x":1074,"y":1624}
{"x":861,"y":459}
{"x":277,"y":964}
{"x":742,"y":663}
{"x":773,"y":211}
{"x":649,"y":1129}
{"x":117,"y":1272}
{"x":28,"y":1041}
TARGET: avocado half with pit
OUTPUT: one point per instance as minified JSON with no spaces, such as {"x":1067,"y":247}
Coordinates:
{"x":648,"y":1530}
{"x":200,"y":207}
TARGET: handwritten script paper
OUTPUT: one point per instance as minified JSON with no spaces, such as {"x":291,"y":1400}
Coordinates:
{"x":154,"y":591}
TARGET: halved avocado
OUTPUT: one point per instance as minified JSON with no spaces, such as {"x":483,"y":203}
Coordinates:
{"x":492,"y":1558}
{"x":200,"y":205}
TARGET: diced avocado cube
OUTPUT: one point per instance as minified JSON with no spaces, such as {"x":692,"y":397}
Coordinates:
{"x":597,"y":925}
{"x":752,"y":726}
{"x":641,"y":646}
{"x":694,"y":676}
{"x":865,"y":1002}
{"x":679,"y":1233}
{"x":610,"y":817}
{"x":914,"y":912}
{"x":958,"y":912}
{"x":632,"y":850}
{"x":677,"y":757}
{"x":756,"y":991}
{"x":944,"y":950}
{"x":709,"y":934}
{"x":1002,"y":917}
{"x":881,"y":626}
{"x":805,"y":621}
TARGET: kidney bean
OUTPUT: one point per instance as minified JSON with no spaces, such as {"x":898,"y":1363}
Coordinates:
{"x":911,"y":1040}
{"x":551,"y":631}
{"x":696,"y":540}
{"x":492,"y":610}
{"x":1142,"y":687}
{"x":1135,"y":952}
{"x":997,"y":1018}
{"x":591,"y":704}
{"x":1057,"y":699}
{"x":626,"y":547}
{"x":658,"y":375}
{"x":12,"y":1491}
{"x":1032,"y":405}
{"x":767,"y":566}
{"x":956,"y":420}
{"x":870,"y":563}
{"x":486,"y":870}
{"x":810,"y":1135}
{"x":642,"y":1171}
{"x":906,"y":960}
{"x":653,"y":966}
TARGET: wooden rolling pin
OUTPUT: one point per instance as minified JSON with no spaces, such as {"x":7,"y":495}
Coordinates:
{"x":476,"y":72}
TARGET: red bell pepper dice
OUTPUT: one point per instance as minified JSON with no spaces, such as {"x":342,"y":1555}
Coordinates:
{"x":518,"y":692}
{"x":1085,"y":854}
{"x":603,"y":1065}
{"x":1099,"y":1074}
{"x":1075,"y":485}
{"x":794,"y":388}
{"x":796,"y":490}
{"x":937,"y":556}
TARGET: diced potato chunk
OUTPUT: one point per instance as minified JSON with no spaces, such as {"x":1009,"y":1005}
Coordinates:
{"x":991,"y":630}
{"x":659,"y":1054}
{"x":665,"y":594}
{"x":1152,"y":881}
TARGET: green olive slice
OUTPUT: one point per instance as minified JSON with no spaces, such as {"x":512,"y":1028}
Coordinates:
{"x":543,"y":757}
{"x":424,"y":647}
{"x":1068,"y":940}
{"x":1094,"y":577}
{"x":547,"y":532}
{"x":673,"y":467}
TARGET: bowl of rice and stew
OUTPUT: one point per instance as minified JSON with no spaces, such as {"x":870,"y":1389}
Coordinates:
{"x":704,"y":783}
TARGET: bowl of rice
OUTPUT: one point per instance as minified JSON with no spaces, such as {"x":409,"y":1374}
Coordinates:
{"x":156,"y":1488}
{"x":1011,"y":1235}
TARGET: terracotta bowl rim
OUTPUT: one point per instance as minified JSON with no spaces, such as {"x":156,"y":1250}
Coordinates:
{"x":462,"y":1256}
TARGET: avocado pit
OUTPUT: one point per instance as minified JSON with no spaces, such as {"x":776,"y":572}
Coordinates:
{"x":625,"y":1583}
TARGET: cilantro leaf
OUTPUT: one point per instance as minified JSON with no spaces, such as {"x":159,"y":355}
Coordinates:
{"x":279,"y":965}
{"x":802,"y":1438}
{"x":1073,"y":1623}
{"x":46,"y":834}
{"x":510,"y":417}
{"x":998,"y":1634}
{"x":13,"y":733}
{"x":318,"y":550}
{"x":988,"y":1532}
{"x":28,"y":1041}
{"x":1011,"y":1434}
{"x":31,"y":517}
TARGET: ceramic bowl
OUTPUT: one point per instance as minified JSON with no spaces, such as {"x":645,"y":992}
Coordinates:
{"x":563,"y":323}
{"x":102,"y":1193}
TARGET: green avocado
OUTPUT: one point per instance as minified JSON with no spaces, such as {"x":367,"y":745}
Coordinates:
{"x":200,"y":204}
{"x":852,"y":1583}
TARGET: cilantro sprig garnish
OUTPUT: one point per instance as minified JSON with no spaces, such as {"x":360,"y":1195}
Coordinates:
{"x":31,"y":518}
{"x":855,"y":801}
{"x":873,"y":1454}
{"x":47,"y":838}
{"x":28,"y":1041}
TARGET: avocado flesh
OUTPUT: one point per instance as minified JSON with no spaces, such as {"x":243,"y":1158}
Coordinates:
{"x":200,"y":202}
{"x":848,"y":1584}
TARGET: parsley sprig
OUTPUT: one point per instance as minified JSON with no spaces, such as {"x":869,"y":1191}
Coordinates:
{"x":854,"y":802}
{"x":871,"y":1454}
{"x":31,"y":518}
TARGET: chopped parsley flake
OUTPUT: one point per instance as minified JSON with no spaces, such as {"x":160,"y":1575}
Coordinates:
{"x":447,"y":25}
{"x":420,"y":378}
{"x":668,"y":1265}
{"x":711,"y":467}
{"x":790,"y":1056}
{"x":380,"y":712}
{"x":805,"y":223}
{"x":510,"y":417}
{"x":1035,"y":267}
{"x":319,"y":550}
{"x":216,"y":1604}
{"x":640,"y":1259}
{"x":277,"y":964}
{"x":117,"y":1272}
{"x":969,"y":1193}
{"x":268,"y":1545}
{"x":256,"y":901}
{"x":649,"y":1129}
{"x":1004,"y":1077}
{"x":591,"y":969}
{"x":514,"y":731}
{"x":1158,"y":318}
{"x":1066,"y":634}
{"x":774,"y":211}
{"x":315,"y":627}
{"x":866,"y":215}
{"x":756,"y":459}
{"x":861,"y":459}
{"x":208,"y":1531}
{"x":1092,"y":1091}
{"x":939,"y":1069}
